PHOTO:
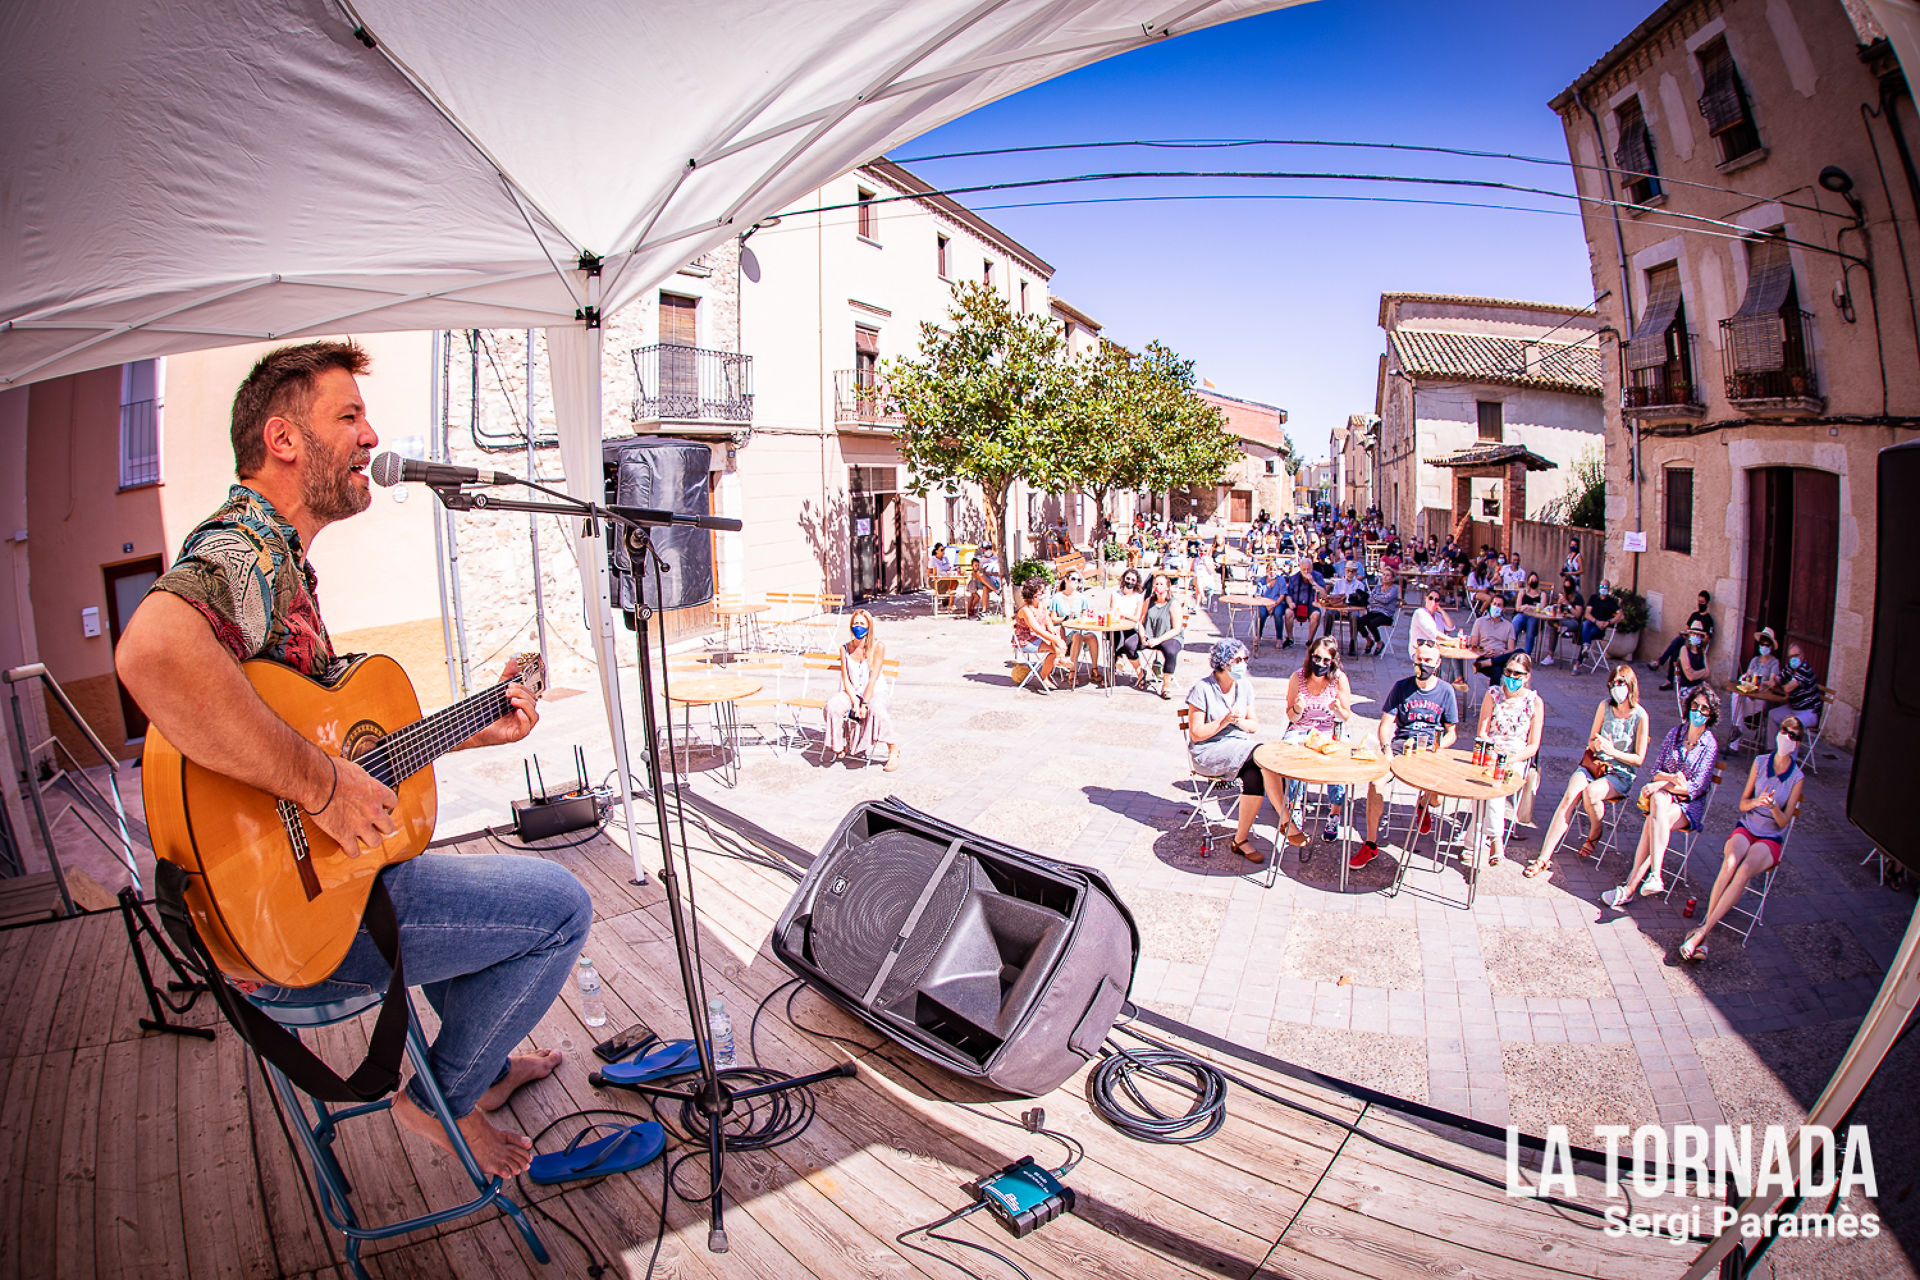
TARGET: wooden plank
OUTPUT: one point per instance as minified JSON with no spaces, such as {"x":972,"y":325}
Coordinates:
{"x":40,"y":1171}
{"x":48,"y":961}
{"x":91,"y":958}
{"x":16,"y":1120}
{"x":116,"y":1186}
{"x":17,"y":975}
{"x":302,"y":1242}
{"x":73,"y":1207}
{"x":97,"y":1004}
{"x":156,"y":1157}
{"x":369,"y":1147}
{"x":259,"y":1252}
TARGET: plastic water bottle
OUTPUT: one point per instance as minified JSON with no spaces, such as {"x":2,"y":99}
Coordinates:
{"x":720,"y":1033}
{"x":593,"y":1006}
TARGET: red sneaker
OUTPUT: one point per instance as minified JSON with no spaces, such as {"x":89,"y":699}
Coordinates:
{"x":1363,"y":855}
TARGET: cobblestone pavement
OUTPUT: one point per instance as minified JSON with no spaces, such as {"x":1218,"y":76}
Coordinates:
{"x":1537,"y":1006}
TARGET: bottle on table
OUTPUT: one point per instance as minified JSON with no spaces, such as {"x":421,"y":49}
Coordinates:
{"x":593,"y":1004}
{"x":719,"y":1033}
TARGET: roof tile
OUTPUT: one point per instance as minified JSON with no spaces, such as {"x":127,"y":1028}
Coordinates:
{"x":1481,"y":357}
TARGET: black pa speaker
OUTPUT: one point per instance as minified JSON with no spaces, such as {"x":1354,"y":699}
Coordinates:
{"x":1880,"y":791}
{"x":668,"y":475}
{"x":993,"y":962}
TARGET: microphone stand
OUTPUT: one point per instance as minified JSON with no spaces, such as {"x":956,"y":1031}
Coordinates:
{"x":711,"y":1097}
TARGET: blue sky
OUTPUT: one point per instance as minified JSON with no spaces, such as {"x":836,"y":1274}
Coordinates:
{"x":1279,"y":300}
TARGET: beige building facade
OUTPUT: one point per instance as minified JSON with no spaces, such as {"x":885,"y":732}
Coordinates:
{"x":1463,"y":374}
{"x":1350,"y":452}
{"x":1758,"y":362}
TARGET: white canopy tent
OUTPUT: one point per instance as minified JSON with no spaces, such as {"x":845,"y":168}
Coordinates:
{"x":183,"y":174}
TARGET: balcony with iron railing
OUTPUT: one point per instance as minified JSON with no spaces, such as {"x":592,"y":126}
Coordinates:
{"x":860,"y":400}
{"x":1668,"y":390}
{"x":679,"y":383}
{"x":1769,"y":362}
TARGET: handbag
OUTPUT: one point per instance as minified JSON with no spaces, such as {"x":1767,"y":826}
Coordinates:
{"x":1590,"y":761}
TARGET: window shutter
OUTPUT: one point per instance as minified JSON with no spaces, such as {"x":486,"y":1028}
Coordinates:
{"x":1647,"y":348}
{"x":1758,"y":335}
{"x":1635,"y":154}
{"x":1724,"y":103}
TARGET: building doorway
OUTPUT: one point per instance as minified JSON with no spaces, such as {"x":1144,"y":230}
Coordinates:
{"x":126,"y":584}
{"x":1242,"y":507}
{"x":1793,"y":559}
{"x":679,"y":355}
{"x":878,"y":541}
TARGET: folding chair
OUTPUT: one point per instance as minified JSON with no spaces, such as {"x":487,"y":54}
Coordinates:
{"x":1608,"y":840}
{"x":770,"y":670}
{"x":1819,"y":727}
{"x":1689,"y":840}
{"x":1757,"y":888}
{"x":889,"y":676}
{"x":1207,"y":797}
{"x":1026,"y":667}
{"x":1594,"y":651}
{"x":823,"y":667}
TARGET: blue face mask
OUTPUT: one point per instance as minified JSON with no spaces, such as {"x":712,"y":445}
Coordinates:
{"x":859,"y":633}
{"x":1238,"y":671}
{"x":1513,"y":683}
{"x":1697,"y":718}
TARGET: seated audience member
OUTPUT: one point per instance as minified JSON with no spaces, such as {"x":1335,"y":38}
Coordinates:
{"x":1129,"y":605}
{"x":1512,"y":578}
{"x":1302,"y":594}
{"x":1480,"y":586}
{"x":1383,"y":606}
{"x":1318,"y":697}
{"x":1702,"y":616}
{"x":1072,"y":601}
{"x":1525,"y":625}
{"x":857,"y":716}
{"x":1492,"y":638}
{"x":1271,"y":587}
{"x":1033,"y":629}
{"x":1206,"y":579}
{"x":1163,"y":627}
{"x":1573,"y":610}
{"x":1221,"y":728}
{"x":1692,"y":670}
{"x":1617,"y":744}
{"x":1601,"y":612}
{"x":1753,"y":848}
{"x":1511,"y":719}
{"x":1802,"y":691}
{"x":1420,"y":711}
{"x":1430,"y":622}
{"x":941,"y":561}
{"x":983,"y":582}
{"x":1674,"y":798}
{"x":1763,"y":676}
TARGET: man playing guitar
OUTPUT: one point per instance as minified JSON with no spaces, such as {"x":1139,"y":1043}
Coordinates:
{"x":490,"y":939}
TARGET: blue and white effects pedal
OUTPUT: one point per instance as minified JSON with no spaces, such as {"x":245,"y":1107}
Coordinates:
{"x":1024,"y":1196}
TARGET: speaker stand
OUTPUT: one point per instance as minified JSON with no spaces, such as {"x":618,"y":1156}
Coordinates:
{"x":712,"y":1099}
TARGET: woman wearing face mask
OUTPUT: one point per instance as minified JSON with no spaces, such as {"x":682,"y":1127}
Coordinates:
{"x":1763,"y":677}
{"x":1162,"y":627}
{"x":1616,"y":745}
{"x":1129,"y":605}
{"x":1318,"y":697}
{"x":1766,"y":807}
{"x":1070,"y":601}
{"x":857,"y":715}
{"x":1221,"y":729}
{"x":1692,"y":670}
{"x":1675,"y":796}
{"x":1511,"y":718}
{"x":1525,"y":625}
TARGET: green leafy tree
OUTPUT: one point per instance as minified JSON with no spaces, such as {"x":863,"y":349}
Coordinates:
{"x":1293,"y":454}
{"x":1583,"y":502}
{"x":985,"y":401}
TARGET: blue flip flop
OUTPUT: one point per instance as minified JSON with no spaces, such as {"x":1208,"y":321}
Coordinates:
{"x":625,"y":1149}
{"x":674,"y":1058}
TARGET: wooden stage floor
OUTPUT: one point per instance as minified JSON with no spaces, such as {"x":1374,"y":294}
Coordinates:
{"x":129,"y":1153}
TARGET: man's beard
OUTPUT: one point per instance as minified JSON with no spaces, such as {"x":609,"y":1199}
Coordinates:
{"x":326,"y":481}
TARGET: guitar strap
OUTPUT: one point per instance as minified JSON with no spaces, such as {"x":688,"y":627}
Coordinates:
{"x":378,"y":1073}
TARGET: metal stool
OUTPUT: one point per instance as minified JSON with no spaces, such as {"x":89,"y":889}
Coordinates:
{"x":316,"y":1134}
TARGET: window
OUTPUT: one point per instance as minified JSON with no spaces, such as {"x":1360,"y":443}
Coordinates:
{"x":1635,"y":157}
{"x":1679,"y":536}
{"x":864,"y":200}
{"x":941,"y":248}
{"x":1724,"y":104}
{"x":1023,"y":297}
{"x":866,"y":356}
{"x":1660,"y":352}
{"x":986,"y":272}
{"x":1765,"y":345}
{"x":139,"y":424}
{"x":1492,"y":428}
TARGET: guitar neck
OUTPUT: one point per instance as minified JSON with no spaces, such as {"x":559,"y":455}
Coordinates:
{"x":406,"y":751}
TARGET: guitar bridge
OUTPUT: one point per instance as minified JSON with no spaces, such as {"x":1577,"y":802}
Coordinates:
{"x":291,"y":819}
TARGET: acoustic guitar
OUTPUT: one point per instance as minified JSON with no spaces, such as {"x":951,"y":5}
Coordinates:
{"x":272,"y":895}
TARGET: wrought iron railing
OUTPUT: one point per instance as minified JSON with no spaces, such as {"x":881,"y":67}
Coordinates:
{"x":139,"y":444}
{"x":1669,"y":385}
{"x":1768,"y":356}
{"x":691,"y":384}
{"x":860,"y":398}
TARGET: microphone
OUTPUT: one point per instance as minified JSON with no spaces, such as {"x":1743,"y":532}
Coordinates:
{"x":390,"y":469}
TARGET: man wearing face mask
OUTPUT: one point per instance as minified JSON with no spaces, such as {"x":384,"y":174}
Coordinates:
{"x":1421,"y":711}
{"x":1493,"y":639}
{"x":1701,"y":617}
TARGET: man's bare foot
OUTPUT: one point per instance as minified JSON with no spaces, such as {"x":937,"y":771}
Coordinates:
{"x":498,"y":1153}
{"x":522,"y":1068}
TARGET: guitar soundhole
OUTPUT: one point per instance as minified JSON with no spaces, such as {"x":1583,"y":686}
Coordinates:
{"x":361,"y":738}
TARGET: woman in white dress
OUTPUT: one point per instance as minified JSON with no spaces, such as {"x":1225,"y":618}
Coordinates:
{"x":857,"y":714}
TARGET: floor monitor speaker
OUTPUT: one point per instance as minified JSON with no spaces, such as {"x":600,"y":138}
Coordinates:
{"x":997,"y":964}
{"x":1878,"y":794}
{"x":669,"y":475}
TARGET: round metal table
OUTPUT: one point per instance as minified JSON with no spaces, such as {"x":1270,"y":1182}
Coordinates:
{"x":1452,"y":775}
{"x":1342,"y":767}
{"x":718,"y":692}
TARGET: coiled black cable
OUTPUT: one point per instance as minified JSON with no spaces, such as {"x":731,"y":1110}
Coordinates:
{"x":1117,"y":1074}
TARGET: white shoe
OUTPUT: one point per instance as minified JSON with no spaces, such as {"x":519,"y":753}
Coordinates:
{"x":1617,"y":897}
{"x":1653,"y":885}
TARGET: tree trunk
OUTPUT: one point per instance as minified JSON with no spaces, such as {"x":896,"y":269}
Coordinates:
{"x":1099,"y":518}
{"x":995,"y":498}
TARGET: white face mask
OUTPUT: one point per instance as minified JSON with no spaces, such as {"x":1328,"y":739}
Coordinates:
{"x":1784,"y":745}
{"x":1619,"y":693}
{"x":1493,"y":611}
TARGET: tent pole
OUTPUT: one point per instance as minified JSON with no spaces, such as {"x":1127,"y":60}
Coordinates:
{"x":437,"y":450}
{"x":533,"y":521}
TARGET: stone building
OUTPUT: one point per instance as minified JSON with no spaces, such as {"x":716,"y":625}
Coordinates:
{"x":1350,"y":451}
{"x":1751,"y":221}
{"x":1469,"y":386}
{"x":1257,"y":482}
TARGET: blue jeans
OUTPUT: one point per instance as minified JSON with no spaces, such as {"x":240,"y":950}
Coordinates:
{"x":1590,"y":630}
{"x":1297,"y":793}
{"x":489,"y":939}
{"x":1260,"y":617}
{"x":1524,"y":628}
